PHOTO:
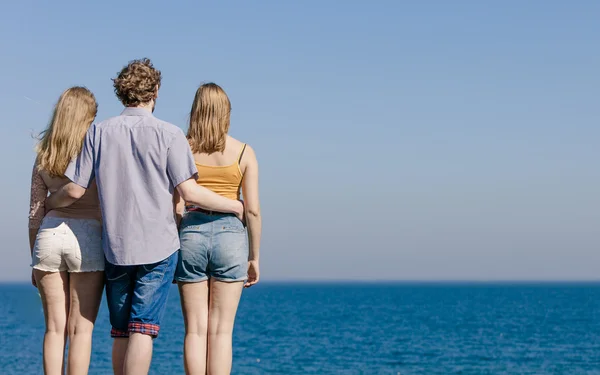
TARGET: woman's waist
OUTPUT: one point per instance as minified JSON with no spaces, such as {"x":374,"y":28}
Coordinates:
{"x":211,"y":221}
{"x":194,"y":208}
{"x":199,"y":211}
{"x":77,"y":212}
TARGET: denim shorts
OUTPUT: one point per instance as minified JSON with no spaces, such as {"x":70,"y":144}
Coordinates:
{"x":68,"y":244}
{"x":137,"y":296}
{"x":212,"y":246}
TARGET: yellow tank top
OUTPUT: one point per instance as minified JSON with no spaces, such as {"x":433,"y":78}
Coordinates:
{"x":223,"y":180}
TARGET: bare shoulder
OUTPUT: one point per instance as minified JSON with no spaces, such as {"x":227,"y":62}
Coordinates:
{"x":237,"y":145}
{"x":250,"y":152}
{"x":233,"y":143}
{"x":248,"y":159}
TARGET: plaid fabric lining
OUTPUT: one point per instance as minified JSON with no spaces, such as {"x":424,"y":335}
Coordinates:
{"x":118,"y":333}
{"x":136,"y":327}
{"x":144,"y":328}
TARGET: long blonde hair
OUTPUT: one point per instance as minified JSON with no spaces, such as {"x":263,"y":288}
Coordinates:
{"x":209,"y":119}
{"x":63,"y":138}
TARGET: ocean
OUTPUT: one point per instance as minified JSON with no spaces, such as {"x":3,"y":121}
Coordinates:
{"x":352,"y":328}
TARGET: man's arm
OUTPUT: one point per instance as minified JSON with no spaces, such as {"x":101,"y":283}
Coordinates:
{"x":65,"y":196}
{"x":80,"y":171}
{"x":200,"y":196}
{"x":182,"y":172}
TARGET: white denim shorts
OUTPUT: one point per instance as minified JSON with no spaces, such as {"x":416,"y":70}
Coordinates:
{"x":73,"y":245}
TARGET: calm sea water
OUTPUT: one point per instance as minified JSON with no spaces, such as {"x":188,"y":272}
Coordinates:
{"x":362,"y":329}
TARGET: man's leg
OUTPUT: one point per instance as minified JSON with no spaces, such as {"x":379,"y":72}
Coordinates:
{"x":151,"y":290}
{"x":119,"y":291}
{"x":139,"y":354}
{"x":118,"y":354}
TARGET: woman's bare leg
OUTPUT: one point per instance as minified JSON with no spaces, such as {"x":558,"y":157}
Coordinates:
{"x":54,"y":290}
{"x":194,"y":304}
{"x":224,"y":301}
{"x":86,"y":293}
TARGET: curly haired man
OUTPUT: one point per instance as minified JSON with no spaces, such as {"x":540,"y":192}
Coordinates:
{"x":138,"y":161}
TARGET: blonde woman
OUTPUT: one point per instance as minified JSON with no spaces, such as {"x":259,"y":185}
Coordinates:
{"x":66,"y":251}
{"x":216,"y":261}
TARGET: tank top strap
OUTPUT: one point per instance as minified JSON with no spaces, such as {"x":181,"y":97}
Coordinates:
{"x":241,"y":153}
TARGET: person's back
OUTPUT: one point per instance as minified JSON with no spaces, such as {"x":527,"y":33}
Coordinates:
{"x":221,"y":172}
{"x":88,"y":207}
{"x":133,"y":176}
{"x":137,"y":162}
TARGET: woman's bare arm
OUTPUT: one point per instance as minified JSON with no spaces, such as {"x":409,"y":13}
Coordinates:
{"x":252,"y":214}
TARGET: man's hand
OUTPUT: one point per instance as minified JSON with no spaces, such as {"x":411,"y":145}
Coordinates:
{"x":253,"y":273}
{"x":33,"y":281}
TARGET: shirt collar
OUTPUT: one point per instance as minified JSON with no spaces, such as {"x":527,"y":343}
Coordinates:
{"x":135,"y":111}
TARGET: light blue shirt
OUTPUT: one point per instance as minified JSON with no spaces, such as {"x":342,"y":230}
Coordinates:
{"x":137,"y":160}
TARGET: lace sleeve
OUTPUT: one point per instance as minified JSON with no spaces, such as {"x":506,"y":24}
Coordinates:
{"x":39,"y":192}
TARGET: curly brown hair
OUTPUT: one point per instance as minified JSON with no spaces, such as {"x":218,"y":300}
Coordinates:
{"x":137,"y":83}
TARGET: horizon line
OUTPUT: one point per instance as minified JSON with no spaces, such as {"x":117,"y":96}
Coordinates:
{"x":401,"y":281}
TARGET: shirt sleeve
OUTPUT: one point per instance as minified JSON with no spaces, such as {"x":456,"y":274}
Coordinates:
{"x":39,"y":192}
{"x":81,"y":169}
{"x":180,"y":161}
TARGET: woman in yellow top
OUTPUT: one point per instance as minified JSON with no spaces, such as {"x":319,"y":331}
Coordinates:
{"x":216,"y":261}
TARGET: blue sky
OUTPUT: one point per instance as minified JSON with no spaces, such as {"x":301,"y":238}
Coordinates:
{"x":397,"y":140}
